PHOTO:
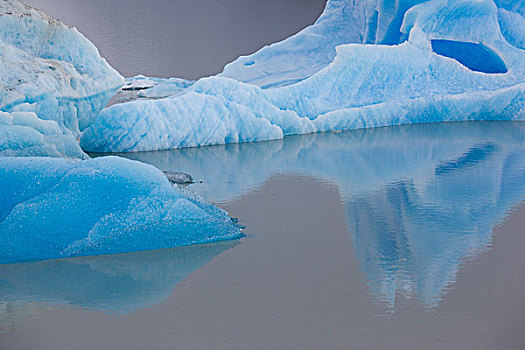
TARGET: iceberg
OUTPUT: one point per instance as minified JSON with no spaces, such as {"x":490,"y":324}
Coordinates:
{"x":23,"y":134}
{"x":51,"y":69}
{"x":511,"y":16}
{"x":363,"y":64}
{"x":166,"y":88}
{"x":57,"y":208}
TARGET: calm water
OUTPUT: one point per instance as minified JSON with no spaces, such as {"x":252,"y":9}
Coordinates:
{"x":402,"y":237}
{"x":181,"y":38}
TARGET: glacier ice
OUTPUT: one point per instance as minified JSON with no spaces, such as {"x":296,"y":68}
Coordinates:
{"x":23,"y":134}
{"x":166,"y":88}
{"x":511,"y":16}
{"x":56,"y":208}
{"x":363,"y":64}
{"x":51,"y":69}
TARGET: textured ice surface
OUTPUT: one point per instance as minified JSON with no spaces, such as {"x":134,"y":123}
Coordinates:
{"x":511,"y":16}
{"x":141,"y":82}
{"x":53,"y":208}
{"x":363,"y":64}
{"x":376,"y":22}
{"x":420,"y":200}
{"x":51,"y":69}
{"x":53,"y":83}
{"x":23,"y":134}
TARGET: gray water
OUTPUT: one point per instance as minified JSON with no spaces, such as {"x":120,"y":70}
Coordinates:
{"x":181,"y":38}
{"x":389,"y":238}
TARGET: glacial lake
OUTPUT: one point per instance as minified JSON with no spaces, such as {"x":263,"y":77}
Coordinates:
{"x":388,"y":238}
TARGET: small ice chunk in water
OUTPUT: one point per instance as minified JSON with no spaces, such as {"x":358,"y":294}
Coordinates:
{"x":179,"y":178}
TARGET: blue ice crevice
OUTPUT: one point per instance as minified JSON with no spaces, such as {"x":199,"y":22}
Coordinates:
{"x":474,"y":56}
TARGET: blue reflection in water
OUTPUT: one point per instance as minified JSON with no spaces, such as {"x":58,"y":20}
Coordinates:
{"x":471,"y":158}
{"x":120,"y":283}
{"x":419,"y":199}
{"x":412,"y":236}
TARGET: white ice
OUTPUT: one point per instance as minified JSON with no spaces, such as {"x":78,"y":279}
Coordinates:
{"x":51,"y":69}
{"x":363,"y":64}
{"x":23,"y":134}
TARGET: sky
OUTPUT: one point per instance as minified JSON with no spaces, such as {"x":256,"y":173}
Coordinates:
{"x":181,"y":38}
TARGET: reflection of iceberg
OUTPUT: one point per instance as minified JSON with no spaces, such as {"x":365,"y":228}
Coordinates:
{"x":411,"y":241}
{"x":359,"y":161}
{"x":423,"y":231}
{"x":122,"y":283}
{"x":363,"y":64}
{"x":419,"y":199}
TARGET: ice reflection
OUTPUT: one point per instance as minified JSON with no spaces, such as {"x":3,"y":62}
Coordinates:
{"x":420,"y":200}
{"x":118,"y":283}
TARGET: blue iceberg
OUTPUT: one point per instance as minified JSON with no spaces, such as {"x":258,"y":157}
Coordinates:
{"x":362,"y":64}
{"x":56,"y":208}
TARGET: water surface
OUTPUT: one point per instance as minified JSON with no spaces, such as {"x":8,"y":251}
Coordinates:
{"x":396,"y":237}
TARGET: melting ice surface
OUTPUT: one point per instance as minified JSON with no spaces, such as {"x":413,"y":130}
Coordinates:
{"x":23,"y":134}
{"x":420,"y":200}
{"x":53,"y":84}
